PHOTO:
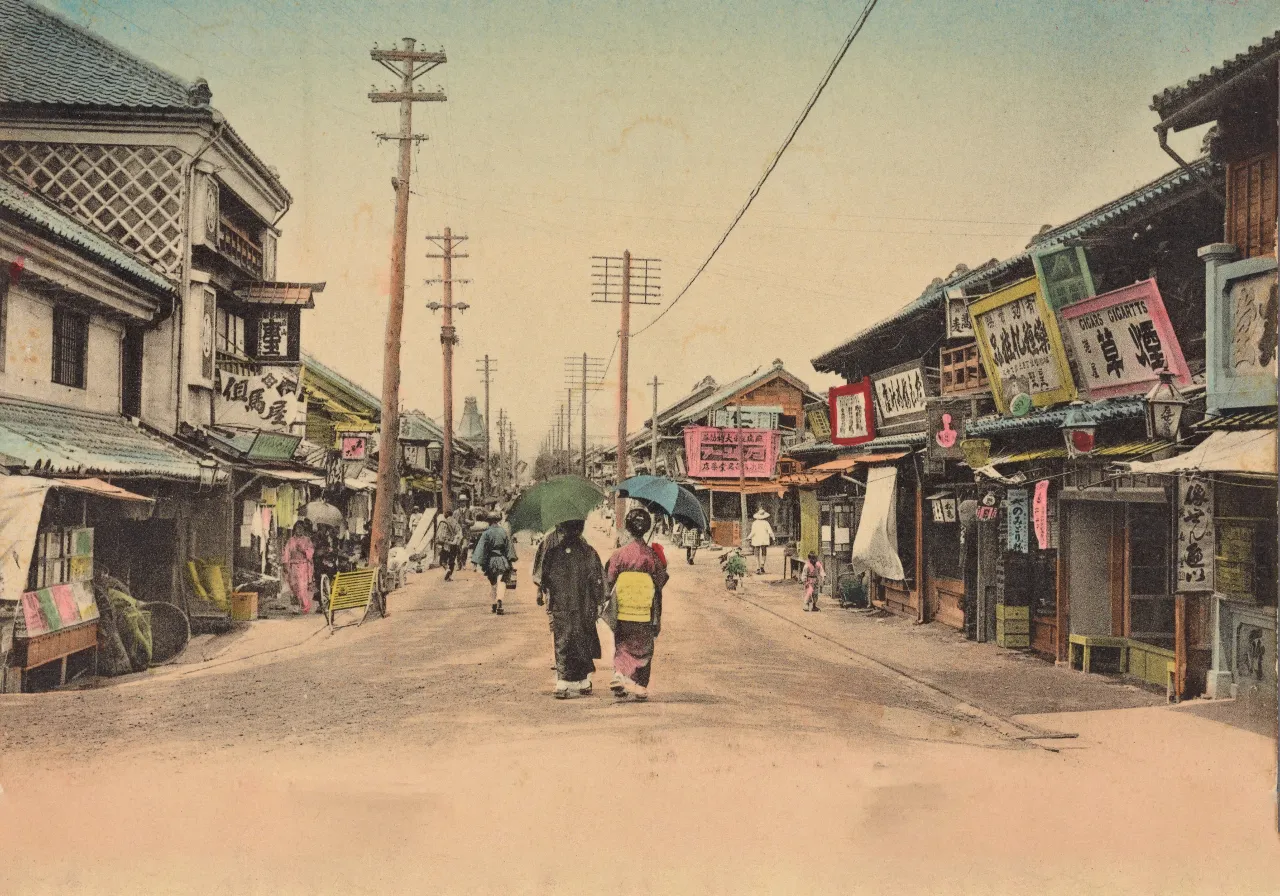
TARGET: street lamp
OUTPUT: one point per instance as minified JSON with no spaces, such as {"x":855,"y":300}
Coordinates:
{"x":1079,"y":429}
{"x":208,"y":472}
{"x":1165,"y":405}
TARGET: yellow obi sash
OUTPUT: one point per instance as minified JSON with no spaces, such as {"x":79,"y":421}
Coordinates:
{"x":635,"y":597}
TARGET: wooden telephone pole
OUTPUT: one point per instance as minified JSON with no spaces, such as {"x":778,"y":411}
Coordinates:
{"x":409,"y":65}
{"x":447,"y":242}
{"x":583,"y":373}
{"x":653,"y":427}
{"x":613,"y":285}
{"x":487,"y":369}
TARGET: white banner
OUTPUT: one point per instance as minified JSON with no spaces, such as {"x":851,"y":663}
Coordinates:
{"x":265,"y":397}
{"x":875,"y":547}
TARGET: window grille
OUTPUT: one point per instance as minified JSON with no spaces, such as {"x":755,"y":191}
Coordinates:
{"x":132,"y":194}
{"x":70,"y":347}
{"x":231,"y":334}
{"x":960,"y":370}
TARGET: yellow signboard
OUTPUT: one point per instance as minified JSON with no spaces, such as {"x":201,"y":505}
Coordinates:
{"x":1021,"y":348}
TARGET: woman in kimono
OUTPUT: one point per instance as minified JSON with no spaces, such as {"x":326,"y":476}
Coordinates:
{"x":636,"y":576}
{"x":298,"y":559}
{"x":569,"y":573}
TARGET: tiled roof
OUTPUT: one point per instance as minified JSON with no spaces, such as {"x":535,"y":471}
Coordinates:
{"x":1106,"y":411}
{"x":63,"y":441}
{"x":355,"y":390}
{"x":1242,"y":420}
{"x":728,"y":390}
{"x":49,"y":60}
{"x":1172,"y":99}
{"x":419,"y":428}
{"x":36,"y":211}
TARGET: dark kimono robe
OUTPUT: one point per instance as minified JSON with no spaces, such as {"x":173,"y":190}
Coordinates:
{"x":573,"y":578}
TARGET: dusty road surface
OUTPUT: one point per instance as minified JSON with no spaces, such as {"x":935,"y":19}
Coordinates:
{"x":424,"y":753}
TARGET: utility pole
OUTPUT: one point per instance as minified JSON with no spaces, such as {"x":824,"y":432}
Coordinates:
{"x":653,"y":427}
{"x":446,"y":243}
{"x":568,"y":431}
{"x":409,"y":65}
{"x":742,"y":478}
{"x":502,"y":449}
{"x":613,"y":277}
{"x":487,"y":371}
{"x":583,"y":374}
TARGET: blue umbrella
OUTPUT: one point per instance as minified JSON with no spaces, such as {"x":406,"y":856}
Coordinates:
{"x":666,"y":496}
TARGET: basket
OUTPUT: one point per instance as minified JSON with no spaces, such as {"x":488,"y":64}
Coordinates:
{"x":244,"y":605}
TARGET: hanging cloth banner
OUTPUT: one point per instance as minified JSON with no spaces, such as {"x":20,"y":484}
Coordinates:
{"x":1040,"y":514}
{"x":875,"y":547}
{"x":21,"y":502}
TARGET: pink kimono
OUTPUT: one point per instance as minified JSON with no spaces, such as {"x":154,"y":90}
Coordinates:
{"x":299,"y":553}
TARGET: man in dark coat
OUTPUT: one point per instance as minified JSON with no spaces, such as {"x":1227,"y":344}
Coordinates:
{"x":572,"y":577}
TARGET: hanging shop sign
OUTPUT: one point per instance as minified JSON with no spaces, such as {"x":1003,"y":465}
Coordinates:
{"x":1019,"y":540}
{"x":1195,"y":533}
{"x":747,"y":417}
{"x":354,"y":446}
{"x":943,"y":507}
{"x":819,"y":424}
{"x":260,"y":397}
{"x":959,"y":324}
{"x":901,"y":392}
{"x":1064,"y":275}
{"x":946,"y":420}
{"x":1040,"y":514}
{"x":988,"y":509}
{"x":1235,"y":558}
{"x":1122,"y":340}
{"x":273,"y":334}
{"x":852,"y":418}
{"x":1242,"y":343}
{"x":721,"y":453}
{"x":1021,"y":348}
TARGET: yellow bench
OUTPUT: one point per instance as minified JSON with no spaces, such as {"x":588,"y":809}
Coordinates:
{"x":351,"y":591}
{"x":1086,"y":645}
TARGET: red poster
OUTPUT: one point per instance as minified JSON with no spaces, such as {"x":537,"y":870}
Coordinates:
{"x":715,"y":453}
{"x":852,"y":413}
{"x":1040,"y":513}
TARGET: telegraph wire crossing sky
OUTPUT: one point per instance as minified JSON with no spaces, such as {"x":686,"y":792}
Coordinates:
{"x":573,"y":131}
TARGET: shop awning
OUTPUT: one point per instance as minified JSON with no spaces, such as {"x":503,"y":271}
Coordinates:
{"x":100,"y":489}
{"x":307,"y":476}
{"x":300,"y":295}
{"x":364,"y":481}
{"x":819,"y":474}
{"x":1247,"y":451}
{"x":773,"y":487}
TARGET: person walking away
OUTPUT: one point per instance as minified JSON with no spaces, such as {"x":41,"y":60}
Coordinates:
{"x":298,"y":560}
{"x":635,"y":577}
{"x":813,"y":576}
{"x":572,"y":578}
{"x":494,"y":555}
{"x":761,"y":538}
{"x":448,"y":542}
{"x":691,"y":540}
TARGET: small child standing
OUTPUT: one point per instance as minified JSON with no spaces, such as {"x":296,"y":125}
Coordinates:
{"x":812,"y":576}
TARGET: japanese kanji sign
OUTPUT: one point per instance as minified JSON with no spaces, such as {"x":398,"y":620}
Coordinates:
{"x":900,"y":393}
{"x":1195,"y":533}
{"x":1040,"y":514}
{"x":273,"y":333}
{"x":265,"y":397}
{"x":959,"y":324}
{"x":852,"y":417}
{"x":1019,"y":533}
{"x":1021,"y":347}
{"x":715,"y":453}
{"x":1122,"y":340}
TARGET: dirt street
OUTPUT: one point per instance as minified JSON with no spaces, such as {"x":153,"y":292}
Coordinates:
{"x":424,"y":753}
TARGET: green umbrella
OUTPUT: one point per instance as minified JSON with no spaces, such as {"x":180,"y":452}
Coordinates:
{"x":558,"y":500}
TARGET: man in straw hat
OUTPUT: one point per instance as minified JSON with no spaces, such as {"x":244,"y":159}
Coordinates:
{"x":761,"y":538}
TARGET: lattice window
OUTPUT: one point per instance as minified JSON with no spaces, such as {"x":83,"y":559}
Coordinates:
{"x":960,"y":370}
{"x":70,"y":347}
{"x":133,"y":194}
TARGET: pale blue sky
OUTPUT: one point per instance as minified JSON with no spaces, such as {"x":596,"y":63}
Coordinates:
{"x":953,"y":129}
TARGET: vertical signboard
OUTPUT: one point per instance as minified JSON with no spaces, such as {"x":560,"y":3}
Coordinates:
{"x":1040,"y":514}
{"x":1195,"y":533}
{"x":1021,"y":348}
{"x":852,"y":417}
{"x":959,"y":324}
{"x":1018,"y":532}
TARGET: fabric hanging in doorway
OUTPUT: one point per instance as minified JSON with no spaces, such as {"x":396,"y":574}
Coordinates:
{"x":875,"y":547}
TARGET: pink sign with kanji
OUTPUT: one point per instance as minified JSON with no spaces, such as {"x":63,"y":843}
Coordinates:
{"x":715,"y":453}
{"x":1122,"y":340}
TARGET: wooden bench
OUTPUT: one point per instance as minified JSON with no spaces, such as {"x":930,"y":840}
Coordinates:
{"x":351,"y":591}
{"x":1087,"y":644}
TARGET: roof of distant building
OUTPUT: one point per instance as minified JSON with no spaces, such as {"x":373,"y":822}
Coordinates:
{"x":1259,"y":60}
{"x":351,"y":387}
{"x":36,"y":211}
{"x":722,"y":394}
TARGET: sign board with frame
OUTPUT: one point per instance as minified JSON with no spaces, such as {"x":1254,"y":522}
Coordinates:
{"x":959,"y":323}
{"x":1021,"y":347}
{"x":1241,"y":341}
{"x":1122,"y":340}
{"x":1063,"y":272}
{"x":900,"y":393}
{"x":852,"y":413}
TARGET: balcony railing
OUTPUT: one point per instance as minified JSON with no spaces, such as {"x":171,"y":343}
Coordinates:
{"x":240,"y":248}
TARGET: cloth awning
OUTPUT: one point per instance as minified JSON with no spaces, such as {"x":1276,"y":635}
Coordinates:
{"x":364,"y":481}
{"x":819,"y":474}
{"x":306,"y":476}
{"x":298,"y":295}
{"x":100,"y":489}
{"x":875,"y":547}
{"x":1246,"y":451}
{"x":773,"y":487}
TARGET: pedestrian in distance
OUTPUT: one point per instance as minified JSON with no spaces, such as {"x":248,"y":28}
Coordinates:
{"x":813,"y":575}
{"x":761,"y":537}
{"x":449,"y":543}
{"x":495,"y":555}
{"x":691,"y":540}
{"x":636,"y":576}
{"x":572,"y":578}
{"x":298,"y":558}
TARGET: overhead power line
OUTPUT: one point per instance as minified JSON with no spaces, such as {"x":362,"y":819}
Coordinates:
{"x":773,"y":163}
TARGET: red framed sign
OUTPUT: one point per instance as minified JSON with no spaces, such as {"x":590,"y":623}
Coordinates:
{"x":1122,"y":340}
{"x":853,"y":418}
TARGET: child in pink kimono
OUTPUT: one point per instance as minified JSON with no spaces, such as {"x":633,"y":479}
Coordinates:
{"x":812,"y":576}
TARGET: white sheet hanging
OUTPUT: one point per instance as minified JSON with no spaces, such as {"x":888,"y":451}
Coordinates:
{"x":875,"y":547}
{"x":21,"y":502}
{"x":1242,"y":451}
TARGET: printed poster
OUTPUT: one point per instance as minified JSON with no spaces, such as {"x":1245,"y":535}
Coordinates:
{"x":1195,"y":533}
{"x":1021,"y":347}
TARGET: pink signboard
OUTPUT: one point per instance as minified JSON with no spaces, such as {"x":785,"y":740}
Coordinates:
{"x":1122,"y":340}
{"x":1040,"y":513}
{"x":715,"y":453}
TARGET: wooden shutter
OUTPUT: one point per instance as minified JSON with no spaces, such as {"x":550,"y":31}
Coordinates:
{"x":1251,"y":205}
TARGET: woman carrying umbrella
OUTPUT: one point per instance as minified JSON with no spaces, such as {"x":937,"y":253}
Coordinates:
{"x":571,"y":576}
{"x":636,"y":576}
